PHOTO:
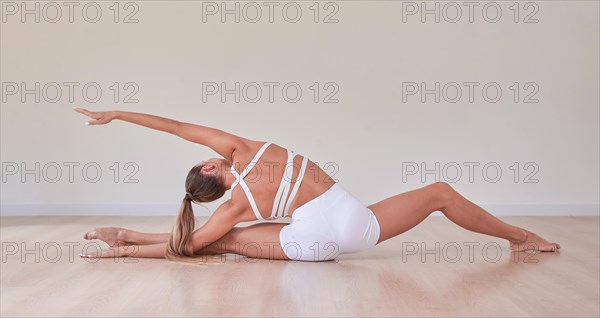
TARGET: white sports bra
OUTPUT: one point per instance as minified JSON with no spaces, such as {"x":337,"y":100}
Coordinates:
{"x":281,"y":206}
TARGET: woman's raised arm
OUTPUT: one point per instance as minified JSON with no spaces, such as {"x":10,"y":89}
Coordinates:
{"x":220,"y":141}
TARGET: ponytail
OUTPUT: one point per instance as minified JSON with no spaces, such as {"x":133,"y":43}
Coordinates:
{"x":178,"y":247}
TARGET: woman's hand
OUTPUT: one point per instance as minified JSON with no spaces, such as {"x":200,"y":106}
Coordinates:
{"x":99,"y":118}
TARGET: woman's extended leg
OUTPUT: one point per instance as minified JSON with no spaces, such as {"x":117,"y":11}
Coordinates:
{"x":401,"y":212}
{"x":117,"y":236}
{"x":256,"y":241}
{"x":259,"y":240}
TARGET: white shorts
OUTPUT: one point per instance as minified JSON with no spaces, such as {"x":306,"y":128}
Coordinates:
{"x":331,"y":224}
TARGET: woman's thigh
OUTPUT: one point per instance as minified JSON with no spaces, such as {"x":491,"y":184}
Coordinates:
{"x":257,"y":241}
{"x":400,"y":213}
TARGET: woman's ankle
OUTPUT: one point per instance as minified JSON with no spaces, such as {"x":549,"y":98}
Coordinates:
{"x":519,"y":235}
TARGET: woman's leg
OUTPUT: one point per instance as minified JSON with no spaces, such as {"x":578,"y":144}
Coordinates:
{"x":257,"y":241}
{"x":401,"y":212}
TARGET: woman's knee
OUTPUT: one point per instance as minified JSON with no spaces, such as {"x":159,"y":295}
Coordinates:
{"x":444,"y":193}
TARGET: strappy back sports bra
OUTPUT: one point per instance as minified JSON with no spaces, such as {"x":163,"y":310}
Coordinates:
{"x":281,"y":206}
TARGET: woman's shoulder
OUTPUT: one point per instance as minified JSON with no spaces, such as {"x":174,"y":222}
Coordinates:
{"x":248,"y":149}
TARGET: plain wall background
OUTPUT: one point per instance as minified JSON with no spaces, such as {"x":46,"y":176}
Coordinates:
{"x":367,"y":135}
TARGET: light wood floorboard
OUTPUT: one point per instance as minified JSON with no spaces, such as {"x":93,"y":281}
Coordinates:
{"x":387,"y":280}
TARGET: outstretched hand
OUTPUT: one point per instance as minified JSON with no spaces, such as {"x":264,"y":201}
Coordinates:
{"x":99,"y":118}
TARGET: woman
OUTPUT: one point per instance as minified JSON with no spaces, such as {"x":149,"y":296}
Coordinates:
{"x":327,"y":221}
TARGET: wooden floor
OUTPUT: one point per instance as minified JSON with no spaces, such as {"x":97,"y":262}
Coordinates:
{"x":391,"y":279}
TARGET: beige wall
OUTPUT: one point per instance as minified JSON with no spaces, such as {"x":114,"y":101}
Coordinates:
{"x":369,"y":60}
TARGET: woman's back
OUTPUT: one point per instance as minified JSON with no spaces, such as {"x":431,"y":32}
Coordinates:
{"x":266,"y":175}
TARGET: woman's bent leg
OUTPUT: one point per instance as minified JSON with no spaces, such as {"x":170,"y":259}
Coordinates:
{"x":401,"y":212}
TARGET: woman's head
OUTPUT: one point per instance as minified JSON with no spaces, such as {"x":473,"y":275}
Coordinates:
{"x":204,"y":183}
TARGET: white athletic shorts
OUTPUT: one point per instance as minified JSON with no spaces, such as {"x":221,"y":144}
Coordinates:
{"x":331,"y":224}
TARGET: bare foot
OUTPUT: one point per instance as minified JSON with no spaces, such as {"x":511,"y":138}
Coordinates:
{"x":113,"y":236}
{"x":532,"y":241}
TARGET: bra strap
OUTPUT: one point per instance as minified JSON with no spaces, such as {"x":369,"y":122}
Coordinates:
{"x":284,"y":187}
{"x":251,"y":200}
{"x":254,"y":160}
{"x":296,"y":186}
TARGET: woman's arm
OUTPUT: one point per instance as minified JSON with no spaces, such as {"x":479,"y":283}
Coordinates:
{"x":142,"y":251}
{"x":225,"y":217}
{"x":220,"y":141}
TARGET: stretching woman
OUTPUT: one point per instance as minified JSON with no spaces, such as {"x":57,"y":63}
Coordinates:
{"x":268,"y":182}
